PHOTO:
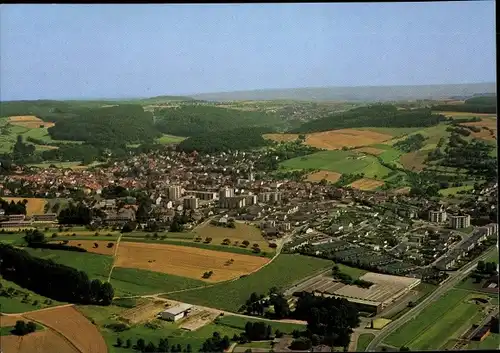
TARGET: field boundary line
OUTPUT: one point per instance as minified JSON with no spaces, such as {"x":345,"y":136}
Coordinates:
{"x":114,"y":256}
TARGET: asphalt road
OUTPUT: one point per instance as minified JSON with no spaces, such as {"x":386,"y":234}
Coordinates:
{"x":443,"y":288}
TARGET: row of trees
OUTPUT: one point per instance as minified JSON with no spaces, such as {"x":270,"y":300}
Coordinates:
{"x":12,"y":207}
{"x":56,"y":281}
{"x":162,"y":347}
{"x":483,"y":104}
{"x":377,"y":115}
{"x":411,"y":143}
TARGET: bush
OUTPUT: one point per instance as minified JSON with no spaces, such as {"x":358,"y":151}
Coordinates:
{"x":117,"y":327}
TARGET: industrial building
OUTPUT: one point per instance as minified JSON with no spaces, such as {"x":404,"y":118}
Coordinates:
{"x":386,"y":289}
{"x":176,"y":313}
{"x":458,"y":222}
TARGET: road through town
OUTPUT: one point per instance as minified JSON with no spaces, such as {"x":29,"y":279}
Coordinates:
{"x":443,"y":288}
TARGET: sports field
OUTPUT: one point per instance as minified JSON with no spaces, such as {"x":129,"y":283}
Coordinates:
{"x":282,"y":273}
{"x":345,"y":162}
{"x":437,"y":323}
{"x":186,"y":261}
{"x":166,"y":139}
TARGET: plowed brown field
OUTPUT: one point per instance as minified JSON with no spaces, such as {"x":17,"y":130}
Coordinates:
{"x":45,"y":341}
{"x":9,"y":320}
{"x":336,"y":139}
{"x":29,"y":121}
{"x":186,"y":261}
{"x":88,"y":245}
{"x":366,"y":184}
{"x":414,"y":160}
{"x":371,"y":150}
{"x":34,"y":206}
{"x":70,"y":323}
{"x":330,"y":176}
{"x":484,"y":134}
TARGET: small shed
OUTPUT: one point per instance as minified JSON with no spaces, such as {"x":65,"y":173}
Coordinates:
{"x":176,"y":313}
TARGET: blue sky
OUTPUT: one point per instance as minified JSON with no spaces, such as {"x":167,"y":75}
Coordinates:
{"x":115,"y":51}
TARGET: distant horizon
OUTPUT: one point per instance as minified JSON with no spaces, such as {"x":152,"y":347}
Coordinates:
{"x":51,"y":51}
{"x":192,"y":95}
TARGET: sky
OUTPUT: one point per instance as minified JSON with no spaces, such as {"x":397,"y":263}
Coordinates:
{"x":126,"y":50}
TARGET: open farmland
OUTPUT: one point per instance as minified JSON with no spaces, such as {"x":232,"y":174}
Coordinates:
{"x":281,"y":137}
{"x":90,"y":245}
{"x":366,"y":184}
{"x":75,"y":327}
{"x":414,"y":160}
{"x":29,"y":121}
{"x":371,"y":150}
{"x":283,"y":272}
{"x":37,"y":342}
{"x":133,"y":281}
{"x":238,"y":234}
{"x":465,"y":114}
{"x":186,"y":261}
{"x":488,"y":129}
{"x":345,"y":162}
{"x":437,"y":323}
{"x":330,"y":176}
{"x":34,"y":206}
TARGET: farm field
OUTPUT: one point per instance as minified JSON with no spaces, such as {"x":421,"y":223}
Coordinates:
{"x":282,"y":273}
{"x":393,"y":131}
{"x":363,"y":341}
{"x":95,"y":265}
{"x":345,"y":162}
{"x":34,"y":206}
{"x":336,"y":139}
{"x":414,"y":160}
{"x":366,"y":184}
{"x":455,"y":190}
{"x":433,"y":326}
{"x":186,"y":261}
{"x":37,"y":342}
{"x":329,"y":176}
{"x":466,"y":114}
{"x":371,"y":150}
{"x":490,"y":123}
{"x":240,"y":322}
{"x":15,"y":303}
{"x":69,"y":322}
{"x":491,"y":343}
{"x":89,"y":245}
{"x":240,"y":233}
{"x":131,"y":281}
{"x":29,"y":121}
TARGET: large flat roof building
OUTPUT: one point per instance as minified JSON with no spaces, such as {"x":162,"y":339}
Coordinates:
{"x":176,"y":312}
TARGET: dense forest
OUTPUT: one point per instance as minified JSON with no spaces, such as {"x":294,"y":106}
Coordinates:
{"x":194,"y":120}
{"x":485,"y":104}
{"x":378,"y":115}
{"x":52,"y":280}
{"x":226,"y":140}
{"x":108,"y":126}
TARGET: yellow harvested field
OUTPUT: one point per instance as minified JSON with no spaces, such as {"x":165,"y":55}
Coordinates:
{"x":37,"y":342}
{"x":371,"y":150}
{"x":76,"y":328}
{"x":89,"y":245}
{"x":29,"y":121}
{"x":35,"y":205}
{"x":366,"y":184}
{"x":330,"y":176}
{"x":186,"y":261}
{"x":461,"y":114}
{"x":489,"y":123}
{"x":281,"y":137}
{"x":9,"y":320}
{"x":336,"y":139}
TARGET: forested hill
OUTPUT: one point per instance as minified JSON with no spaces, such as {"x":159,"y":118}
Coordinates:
{"x":105,"y":126}
{"x":483,"y":104}
{"x":191,"y":120}
{"x":378,"y":115}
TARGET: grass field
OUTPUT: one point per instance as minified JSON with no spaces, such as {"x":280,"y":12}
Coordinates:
{"x":239,"y":323}
{"x":96,"y":266}
{"x":345,"y":162}
{"x":492,"y":342}
{"x":282,"y":273}
{"x":366,"y":184}
{"x":131,"y":281}
{"x":330,"y":176}
{"x":355,"y":273}
{"x":14,"y":304}
{"x":166,"y":139}
{"x":454,"y":190}
{"x":433,"y":327}
{"x":393,"y":131}
{"x":363,"y":341}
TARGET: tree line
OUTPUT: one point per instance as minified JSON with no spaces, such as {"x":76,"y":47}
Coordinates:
{"x":483,"y":104}
{"x":53,"y":280}
{"x":411,"y":143}
{"x":378,"y":115}
{"x":12,"y":207}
